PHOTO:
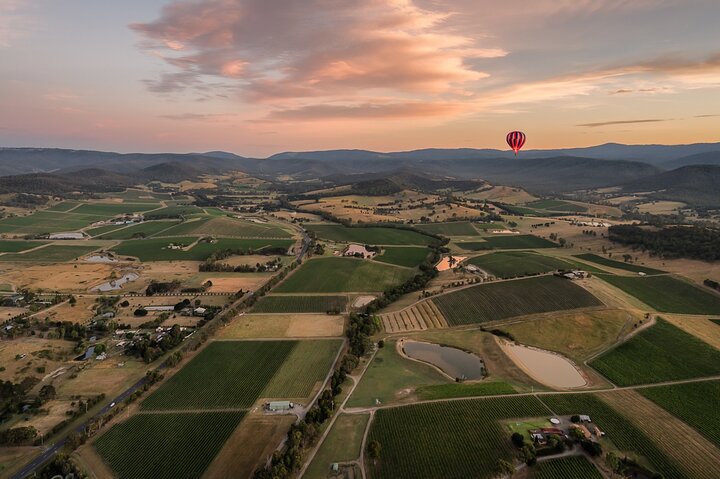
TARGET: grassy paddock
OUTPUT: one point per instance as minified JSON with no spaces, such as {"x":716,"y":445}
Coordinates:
{"x":661,"y":353}
{"x":667,"y":294}
{"x":19,"y":245}
{"x":573,"y":467}
{"x":508,"y":242}
{"x":456,"y":228}
{"x":300,"y":304}
{"x":494,"y":301}
{"x":54,"y":253}
{"x":407,"y":256}
{"x":457,"y":390}
{"x":156,"y":249}
{"x":593,"y":258}
{"x":511,"y":264}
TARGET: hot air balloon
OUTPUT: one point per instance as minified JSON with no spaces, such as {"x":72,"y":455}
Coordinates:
{"x":516,"y":140}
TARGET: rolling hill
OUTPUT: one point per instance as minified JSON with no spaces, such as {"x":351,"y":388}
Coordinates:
{"x":696,"y":185}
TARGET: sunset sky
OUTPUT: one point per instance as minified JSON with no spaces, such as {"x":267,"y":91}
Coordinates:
{"x":257,"y":77}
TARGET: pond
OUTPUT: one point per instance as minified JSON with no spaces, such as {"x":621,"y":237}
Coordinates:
{"x":545,"y":367}
{"x":454,"y":362}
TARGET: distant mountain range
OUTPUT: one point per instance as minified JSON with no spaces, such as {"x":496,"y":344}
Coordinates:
{"x":540,"y":171}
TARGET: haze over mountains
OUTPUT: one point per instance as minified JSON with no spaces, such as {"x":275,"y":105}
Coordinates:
{"x":635,"y":167}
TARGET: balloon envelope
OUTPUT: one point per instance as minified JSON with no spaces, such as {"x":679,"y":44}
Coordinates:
{"x":516,"y":140}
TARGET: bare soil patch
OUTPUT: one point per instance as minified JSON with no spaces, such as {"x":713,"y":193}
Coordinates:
{"x":56,"y":277}
{"x":283,"y":326}
{"x":58,"y":350}
{"x":242,"y":281}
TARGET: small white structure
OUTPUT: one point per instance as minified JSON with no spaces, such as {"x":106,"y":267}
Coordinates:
{"x":199,"y":312}
{"x":159,"y":308}
{"x":279,"y":406}
{"x":67,"y":235}
{"x":584,"y":418}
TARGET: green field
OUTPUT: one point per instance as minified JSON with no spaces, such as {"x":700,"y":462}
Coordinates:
{"x":693,"y":403}
{"x":557,"y":205}
{"x":511,"y":264}
{"x":337,"y":275}
{"x":623,"y":434}
{"x":64,"y":206}
{"x":458,"y":390}
{"x":343,"y":444}
{"x":148,"y":228}
{"x":667,"y":294}
{"x":506,"y":299}
{"x":174,"y":212}
{"x":225,"y":226}
{"x":573,"y":467}
{"x":46,"y":222}
{"x":449,"y":440}
{"x":456,"y":228}
{"x":234,"y":374}
{"x":54,"y":253}
{"x":158,"y":446}
{"x":300,"y":304}
{"x":661,"y":353}
{"x":304,"y":368}
{"x":10,"y":246}
{"x":370,"y":235}
{"x":156,"y":249}
{"x":593,"y":258}
{"x":113,"y":209}
{"x":407,"y":256}
{"x":508,"y":242}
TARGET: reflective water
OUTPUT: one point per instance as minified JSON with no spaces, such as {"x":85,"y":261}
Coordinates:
{"x":454,"y":362}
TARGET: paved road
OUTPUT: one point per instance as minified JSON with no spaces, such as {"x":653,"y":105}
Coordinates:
{"x":48,"y":453}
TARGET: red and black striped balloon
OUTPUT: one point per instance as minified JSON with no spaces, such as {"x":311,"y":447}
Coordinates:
{"x":516,"y":140}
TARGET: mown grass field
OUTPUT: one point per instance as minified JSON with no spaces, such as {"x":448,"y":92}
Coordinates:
{"x":457,"y":228}
{"x":147,"y":228}
{"x":166,"y":446}
{"x":337,"y":275}
{"x":505,"y":299}
{"x":343,"y":444}
{"x":11,"y":246}
{"x":307,"y":365}
{"x":156,"y":249}
{"x":54,"y":253}
{"x":661,"y":353}
{"x":174,"y":212}
{"x":594,"y":258}
{"x":226,"y":374}
{"x":234,"y":374}
{"x":694,"y":403}
{"x":370,"y":235}
{"x":113,"y":209}
{"x":573,"y":467}
{"x":457,"y":390}
{"x":557,"y":205}
{"x":511,"y":264}
{"x":64,"y":206}
{"x":667,"y":294}
{"x":452,"y":440}
{"x":225,"y":226}
{"x":623,"y":434}
{"x":508,"y":242}
{"x":46,"y":222}
{"x":408,"y":256}
{"x":300,"y":304}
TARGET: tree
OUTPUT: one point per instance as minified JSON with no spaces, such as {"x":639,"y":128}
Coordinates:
{"x":575,"y":418}
{"x":373,"y":449}
{"x":503,"y":468}
{"x":140,"y":312}
{"x":47,"y":392}
{"x":517,"y":439}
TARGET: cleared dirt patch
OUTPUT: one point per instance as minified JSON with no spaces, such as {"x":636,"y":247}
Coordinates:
{"x":283,"y":326}
{"x":59,"y":352}
{"x":688,"y":449}
{"x":91,"y":461}
{"x":250,"y":444}
{"x":699,"y":326}
{"x":56,"y":409}
{"x":56,"y":277}
{"x":232,"y":285}
{"x":81,"y":312}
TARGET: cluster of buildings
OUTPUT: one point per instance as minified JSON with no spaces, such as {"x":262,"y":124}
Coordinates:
{"x":573,"y":274}
{"x":358,"y":251}
{"x":121,"y":220}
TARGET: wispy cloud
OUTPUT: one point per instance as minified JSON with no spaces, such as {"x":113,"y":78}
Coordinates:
{"x":623,"y":122}
{"x":14,"y":21}
{"x":201,"y":117}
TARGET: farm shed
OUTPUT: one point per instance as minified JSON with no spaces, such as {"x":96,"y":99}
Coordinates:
{"x":279,"y":406}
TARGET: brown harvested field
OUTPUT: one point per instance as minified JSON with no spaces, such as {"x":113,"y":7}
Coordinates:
{"x":611,"y":296}
{"x":252,"y":442}
{"x":56,"y":409}
{"x":88,"y":458}
{"x":104,"y":377}
{"x":81,"y":312}
{"x":291,"y":215}
{"x":418,"y":317}
{"x":699,"y":326}
{"x":504,"y":194}
{"x":9,"y":312}
{"x":59,"y":350}
{"x":248,"y":260}
{"x":283,"y":326}
{"x":681,"y":443}
{"x":245,"y":281}
{"x":13,"y":458}
{"x":56,"y":277}
{"x":661,"y":207}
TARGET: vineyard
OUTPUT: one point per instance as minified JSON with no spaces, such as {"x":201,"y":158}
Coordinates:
{"x":54,"y":253}
{"x":691,"y":403}
{"x":226,"y":374}
{"x":157,"y":249}
{"x":466,"y":440}
{"x":408,"y":256}
{"x":159,"y":446}
{"x":593,"y":258}
{"x":661,"y":353}
{"x":418,"y":317}
{"x":457,"y":228}
{"x":370,"y":235}
{"x":667,"y":294}
{"x":300,"y":304}
{"x":573,"y":467}
{"x":623,"y":434}
{"x":506,"y":299}
{"x":511,"y":264}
